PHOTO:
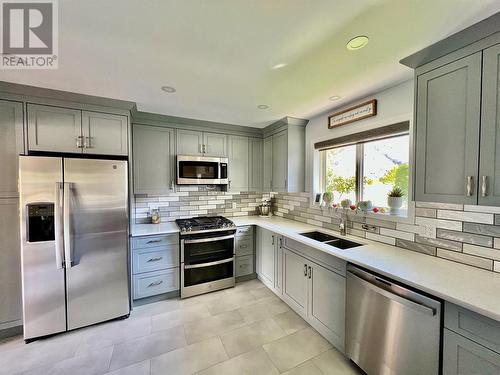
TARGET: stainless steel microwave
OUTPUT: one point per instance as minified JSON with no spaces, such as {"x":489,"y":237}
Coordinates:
{"x":201,"y":170}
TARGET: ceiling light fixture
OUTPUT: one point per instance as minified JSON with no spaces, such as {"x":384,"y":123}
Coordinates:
{"x":262,"y":106}
{"x":357,"y":42}
{"x":279,"y":66}
{"x":334,"y":97}
{"x":168,"y":89}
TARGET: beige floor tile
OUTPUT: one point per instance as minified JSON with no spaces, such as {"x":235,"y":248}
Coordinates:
{"x":255,"y":362}
{"x":230,"y":301}
{"x":203,"y":329}
{"x":306,"y":368}
{"x":189,"y":359}
{"x":147,"y":347}
{"x":179,"y":317}
{"x":13,"y":342}
{"x":261,"y":293}
{"x":291,"y":350}
{"x":141,"y":368}
{"x":263,"y":309}
{"x":332,"y":362}
{"x":290,"y":322}
{"x":247,"y":338}
{"x":92,"y":363}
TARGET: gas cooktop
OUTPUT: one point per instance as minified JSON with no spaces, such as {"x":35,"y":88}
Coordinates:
{"x":204,"y":224}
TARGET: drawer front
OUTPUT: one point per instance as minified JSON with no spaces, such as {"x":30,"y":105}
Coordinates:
{"x":244,"y":231}
{"x":244,"y":265}
{"x":244,"y":246}
{"x":483,"y":330}
{"x":324,"y":259}
{"x":155,"y":241}
{"x":153,"y":283}
{"x":154,"y":258}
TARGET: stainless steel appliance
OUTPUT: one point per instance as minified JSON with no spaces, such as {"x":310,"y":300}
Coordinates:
{"x":74,"y":221}
{"x":391,"y":329}
{"x":207,"y":254}
{"x":201,"y":170}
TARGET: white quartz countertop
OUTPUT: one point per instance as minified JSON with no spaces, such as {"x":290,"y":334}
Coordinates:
{"x":475,"y":289}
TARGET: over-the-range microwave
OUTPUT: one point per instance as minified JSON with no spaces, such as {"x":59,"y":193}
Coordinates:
{"x":201,"y":170}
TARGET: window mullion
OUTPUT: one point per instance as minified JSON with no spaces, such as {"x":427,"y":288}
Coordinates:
{"x":359,"y":172}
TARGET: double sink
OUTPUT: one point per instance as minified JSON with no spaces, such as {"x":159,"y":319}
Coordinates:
{"x":340,"y":243}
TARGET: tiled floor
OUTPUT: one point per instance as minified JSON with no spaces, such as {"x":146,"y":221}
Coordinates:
{"x":244,"y":330}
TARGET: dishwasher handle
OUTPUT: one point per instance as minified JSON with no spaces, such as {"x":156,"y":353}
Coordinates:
{"x":391,"y":295}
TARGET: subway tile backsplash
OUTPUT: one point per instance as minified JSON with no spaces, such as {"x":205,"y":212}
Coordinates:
{"x":465,"y":234}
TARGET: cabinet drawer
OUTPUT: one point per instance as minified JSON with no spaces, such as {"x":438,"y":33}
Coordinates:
{"x":244,"y":231}
{"x":154,"y":258}
{"x":155,"y":241}
{"x":153,"y":283}
{"x":464,"y":356}
{"x":327,"y":260}
{"x":244,"y":246}
{"x":244,"y":265}
{"x":472,"y":325}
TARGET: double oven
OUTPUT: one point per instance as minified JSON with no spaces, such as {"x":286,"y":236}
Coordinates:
{"x":207,"y":261}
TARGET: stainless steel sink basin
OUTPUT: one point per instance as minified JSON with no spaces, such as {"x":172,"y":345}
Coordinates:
{"x":340,"y":243}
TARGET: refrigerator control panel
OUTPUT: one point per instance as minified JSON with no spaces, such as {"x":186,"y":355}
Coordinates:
{"x":40,"y":222}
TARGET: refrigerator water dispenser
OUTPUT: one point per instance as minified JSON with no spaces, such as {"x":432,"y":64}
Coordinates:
{"x":40,"y":222}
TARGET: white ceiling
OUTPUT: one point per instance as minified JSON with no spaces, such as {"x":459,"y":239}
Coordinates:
{"x":218,"y":54}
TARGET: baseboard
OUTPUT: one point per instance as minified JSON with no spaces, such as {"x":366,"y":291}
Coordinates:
{"x":12,"y":331}
{"x":240,"y":279}
{"x":161,"y":297}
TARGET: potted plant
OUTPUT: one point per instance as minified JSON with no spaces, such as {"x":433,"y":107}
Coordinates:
{"x":395,"y":199}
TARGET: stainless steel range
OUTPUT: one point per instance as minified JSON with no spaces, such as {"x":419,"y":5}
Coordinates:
{"x":207,"y":254}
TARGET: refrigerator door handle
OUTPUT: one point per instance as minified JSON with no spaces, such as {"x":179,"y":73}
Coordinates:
{"x":58,"y":226}
{"x":68,"y":250}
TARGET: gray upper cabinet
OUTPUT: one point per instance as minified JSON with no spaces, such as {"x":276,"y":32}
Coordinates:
{"x":489,"y":163}
{"x":104,"y":134}
{"x":54,"y":129}
{"x":268,"y":164}
{"x":11,"y":145}
{"x":447,"y":132}
{"x":154,"y":159}
{"x":238,"y":163}
{"x":189,"y":142}
{"x":255,"y":173}
{"x":280,"y":162}
{"x":215,"y":144}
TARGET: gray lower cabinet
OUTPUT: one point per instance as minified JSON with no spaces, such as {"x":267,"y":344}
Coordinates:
{"x":244,"y":251}
{"x":154,"y":159}
{"x":269,"y":259}
{"x":11,"y":145}
{"x":447,"y":132}
{"x":238,"y":154}
{"x":255,"y":165}
{"x":155,"y":265}
{"x":104,"y":133}
{"x":295,"y":281}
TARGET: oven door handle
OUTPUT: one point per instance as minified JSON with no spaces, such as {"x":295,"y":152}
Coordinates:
{"x":211,"y":239}
{"x":209,"y":264}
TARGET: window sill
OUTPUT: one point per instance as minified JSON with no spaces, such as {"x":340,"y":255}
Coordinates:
{"x":405,"y":216}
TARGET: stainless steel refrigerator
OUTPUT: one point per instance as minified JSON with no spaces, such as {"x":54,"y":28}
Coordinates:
{"x":74,"y":228}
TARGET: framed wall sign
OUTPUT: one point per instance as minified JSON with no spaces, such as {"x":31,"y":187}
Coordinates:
{"x":356,"y":113}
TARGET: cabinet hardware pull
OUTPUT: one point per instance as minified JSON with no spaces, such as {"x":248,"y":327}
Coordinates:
{"x":79,"y":141}
{"x":281,"y":242}
{"x":484,"y":186}
{"x":309,"y":272}
{"x":205,"y":149}
{"x":243,"y":246}
{"x":305,"y":270}
{"x":156,"y":283}
{"x":154,"y":241}
{"x":273,"y":240}
{"x":470,"y":180}
{"x":88,"y":142}
{"x":155,"y":259}
{"x":229,"y":184}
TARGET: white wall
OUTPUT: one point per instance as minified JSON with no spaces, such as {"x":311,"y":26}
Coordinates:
{"x":394,"y":104}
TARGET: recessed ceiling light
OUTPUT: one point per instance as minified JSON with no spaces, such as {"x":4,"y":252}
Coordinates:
{"x":357,"y":42}
{"x":168,"y":89}
{"x":262,"y":106}
{"x":334,"y":97}
{"x":279,"y":66}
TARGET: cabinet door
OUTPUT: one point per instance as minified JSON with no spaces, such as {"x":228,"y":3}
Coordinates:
{"x":10,"y":265}
{"x":189,"y":142}
{"x":327,"y":304}
{"x":280,"y":161}
{"x":447,"y":132}
{"x":266,"y":245}
{"x":489,"y":163}
{"x":295,"y":281}
{"x":255,"y":164}
{"x":278,"y":261}
{"x":11,"y":145}
{"x":268,"y":164}
{"x":54,"y":129}
{"x":153,"y":150}
{"x":215,"y":144}
{"x":104,"y":133}
{"x":238,"y":163}
{"x":462,"y":356}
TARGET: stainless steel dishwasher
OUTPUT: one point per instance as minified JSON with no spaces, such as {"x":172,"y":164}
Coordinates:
{"x":391,"y":329}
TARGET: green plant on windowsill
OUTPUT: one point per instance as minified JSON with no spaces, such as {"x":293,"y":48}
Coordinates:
{"x":396,"y":192}
{"x":395,"y":199}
